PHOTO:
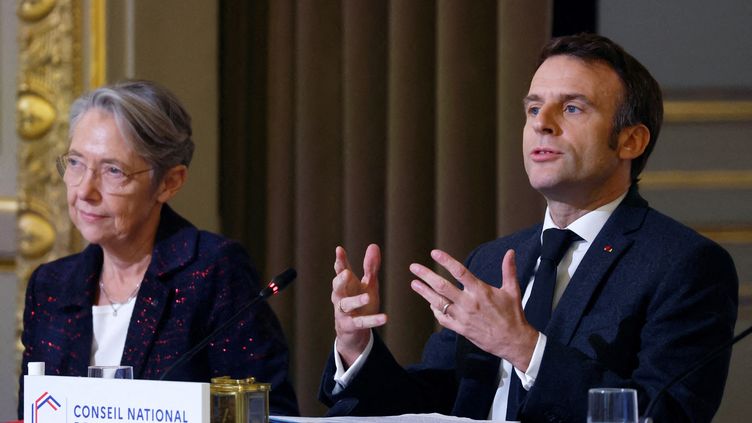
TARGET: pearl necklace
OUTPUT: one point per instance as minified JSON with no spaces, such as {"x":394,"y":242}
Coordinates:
{"x":114,"y":304}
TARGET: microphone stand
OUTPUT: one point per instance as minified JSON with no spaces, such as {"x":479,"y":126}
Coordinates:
{"x":702,"y":362}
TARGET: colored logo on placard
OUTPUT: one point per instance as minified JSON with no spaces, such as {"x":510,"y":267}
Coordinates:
{"x":45,"y":400}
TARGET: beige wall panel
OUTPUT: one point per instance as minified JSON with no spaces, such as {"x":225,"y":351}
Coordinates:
{"x":175,"y":42}
{"x":8,"y":166}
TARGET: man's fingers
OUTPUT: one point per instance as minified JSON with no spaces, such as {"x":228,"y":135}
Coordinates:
{"x":349,"y":304}
{"x":509,"y":273}
{"x":371,"y":263}
{"x":437,"y":301}
{"x":345,"y":284}
{"x":340,"y":260}
{"x":455,"y":268}
{"x":364,"y":322}
{"x":339,"y":283}
{"x":442,"y":286}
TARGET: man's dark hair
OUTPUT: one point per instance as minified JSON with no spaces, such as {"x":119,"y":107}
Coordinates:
{"x":642,"y":101}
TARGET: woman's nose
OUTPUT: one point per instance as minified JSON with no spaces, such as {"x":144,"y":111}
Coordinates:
{"x":88,"y":186}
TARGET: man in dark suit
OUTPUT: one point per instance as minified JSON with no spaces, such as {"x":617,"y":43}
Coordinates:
{"x":631,"y":299}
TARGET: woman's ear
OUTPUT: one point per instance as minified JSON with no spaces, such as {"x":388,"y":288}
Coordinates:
{"x":633,"y":141}
{"x":173,"y":180}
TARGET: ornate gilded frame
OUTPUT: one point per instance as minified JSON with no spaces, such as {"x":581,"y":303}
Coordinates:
{"x":51,"y":75}
{"x":49,"y":79}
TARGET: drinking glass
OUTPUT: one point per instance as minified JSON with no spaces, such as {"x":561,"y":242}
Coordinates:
{"x":612,"y":405}
{"x":111,"y":372}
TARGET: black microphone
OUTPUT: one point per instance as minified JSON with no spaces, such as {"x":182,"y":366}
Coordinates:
{"x":699,"y":364}
{"x":277,"y":284}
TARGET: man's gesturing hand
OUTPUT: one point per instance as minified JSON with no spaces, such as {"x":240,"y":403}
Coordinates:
{"x":491,"y":318}
{"x":356,"y":303}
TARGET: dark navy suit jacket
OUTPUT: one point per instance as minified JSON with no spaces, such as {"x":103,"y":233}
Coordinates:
{"x":196,"y":280}
{"x":649,"y":299}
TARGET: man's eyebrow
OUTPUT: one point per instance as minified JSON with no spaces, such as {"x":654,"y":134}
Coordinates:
{"x":562,"y":98}
{"x":530,"y":98}
{"x":578,"y":97}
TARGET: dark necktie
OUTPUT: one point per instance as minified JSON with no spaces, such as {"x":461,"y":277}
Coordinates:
{"x":556,"y":242}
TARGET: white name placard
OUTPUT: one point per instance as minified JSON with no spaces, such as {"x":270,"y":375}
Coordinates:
{"x":63,"y":399}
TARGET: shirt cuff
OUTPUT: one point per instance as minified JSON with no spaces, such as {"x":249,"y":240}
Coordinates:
{"x":343,"y":377}
{"x":527,"y":379}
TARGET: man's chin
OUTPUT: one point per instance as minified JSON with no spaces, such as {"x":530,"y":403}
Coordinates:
{"x":545,"y":185}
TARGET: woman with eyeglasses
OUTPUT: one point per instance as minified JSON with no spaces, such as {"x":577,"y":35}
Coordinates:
{"x":149,"y":285}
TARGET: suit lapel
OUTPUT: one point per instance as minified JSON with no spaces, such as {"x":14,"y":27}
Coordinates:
{"x":476,"y":389}
{"x":175,"y":246}
{"x":610,"y":244}
{"x":75,"y":313}
{"x":527,"y":255}
{"x":143,"y":329}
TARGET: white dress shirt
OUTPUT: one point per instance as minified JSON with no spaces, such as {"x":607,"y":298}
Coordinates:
{"x":587,"y":227}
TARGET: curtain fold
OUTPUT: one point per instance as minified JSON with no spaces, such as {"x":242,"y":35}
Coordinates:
{"x":411,"y":168}
{"x":517,"y":204}
{"x":466,"y":126}
{"x":364,"y":82}
{"x":280,"y":181}
{"x":389,"y":122}
{"x":319,"y":184}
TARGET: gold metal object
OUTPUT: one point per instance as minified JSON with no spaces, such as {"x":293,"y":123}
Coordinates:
{"x":8,"y":211}
{"x":693,"y":111}
{"x":239,"y":400}
{"x":35,"y":115}
{"x":34,"y":10}
{"x":97,"y":43}
{"x":50,"y":77}
{"x":696,"y":179}
{"x":730,"y":235}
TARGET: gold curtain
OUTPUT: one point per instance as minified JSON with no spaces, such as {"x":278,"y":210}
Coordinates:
{"x":347,"y":122}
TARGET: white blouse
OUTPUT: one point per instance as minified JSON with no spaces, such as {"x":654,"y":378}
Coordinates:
{"x":110,"y":330}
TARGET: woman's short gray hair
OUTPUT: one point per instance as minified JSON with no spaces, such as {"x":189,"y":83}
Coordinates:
{"x":150,"y":118}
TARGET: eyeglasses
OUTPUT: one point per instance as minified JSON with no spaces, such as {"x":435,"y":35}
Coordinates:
{"x":113,"y":179}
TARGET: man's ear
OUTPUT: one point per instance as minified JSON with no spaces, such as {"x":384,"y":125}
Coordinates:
{"x":633,"y":140}
{"x":173,"y":180}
